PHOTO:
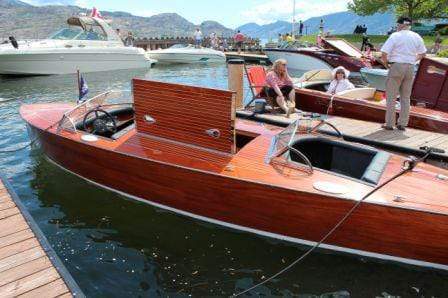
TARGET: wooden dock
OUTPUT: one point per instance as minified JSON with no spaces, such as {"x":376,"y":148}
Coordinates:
{"x":249,"y":57}
{"x":28,"y":265}
{"x":369,"y":133}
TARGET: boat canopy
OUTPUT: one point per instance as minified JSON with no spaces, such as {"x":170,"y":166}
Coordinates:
{"x":89,"y":24}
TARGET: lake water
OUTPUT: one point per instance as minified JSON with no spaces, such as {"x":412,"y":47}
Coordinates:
{"x":116,"y":247}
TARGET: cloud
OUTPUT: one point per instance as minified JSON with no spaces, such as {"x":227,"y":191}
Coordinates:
{"x":50,"y":2}
{"x":274,"y":10}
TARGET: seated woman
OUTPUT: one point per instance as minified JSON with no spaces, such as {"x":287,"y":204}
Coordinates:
{"x":281,"y":87}
{"x":340,"y":81}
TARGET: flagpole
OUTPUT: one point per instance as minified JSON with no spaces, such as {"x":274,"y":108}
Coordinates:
{"x":293,"y":18}
{"x":79,"y":84}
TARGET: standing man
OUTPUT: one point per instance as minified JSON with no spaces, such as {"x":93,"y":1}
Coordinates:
{"x":300,"y":27}
{"x":239,"y":39}
{"x":198,"y":38}
{"x":400,"y":52}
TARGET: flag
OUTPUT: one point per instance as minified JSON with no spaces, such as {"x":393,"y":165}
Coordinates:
{"x":96,"y":13}
{"x":83,"y":90}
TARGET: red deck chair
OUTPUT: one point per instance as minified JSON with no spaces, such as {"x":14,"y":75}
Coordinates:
{"x":256,"y":75}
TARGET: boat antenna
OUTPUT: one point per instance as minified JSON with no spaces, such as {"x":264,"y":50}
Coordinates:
{"x":408,"y":165}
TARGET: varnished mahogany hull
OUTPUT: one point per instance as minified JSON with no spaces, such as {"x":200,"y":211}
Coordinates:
{"x":318,"y":102}
{"x":378,"y":229}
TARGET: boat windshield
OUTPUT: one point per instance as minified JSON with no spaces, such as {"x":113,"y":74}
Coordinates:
{"x":107,"y":100}
{"x":180,"y":46}
{"x":67,"y":33}
{"x":78,"y":34}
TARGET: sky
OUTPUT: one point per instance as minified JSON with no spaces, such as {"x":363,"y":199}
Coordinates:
{"x":230,"y":13}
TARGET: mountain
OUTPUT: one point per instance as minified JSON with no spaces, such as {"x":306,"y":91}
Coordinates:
{"x":337,"y":23}
{"x":41,"y":21}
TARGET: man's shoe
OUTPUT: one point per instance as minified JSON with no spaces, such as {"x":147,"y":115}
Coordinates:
{"x":401,"y":127}
{"x":384,"y":126}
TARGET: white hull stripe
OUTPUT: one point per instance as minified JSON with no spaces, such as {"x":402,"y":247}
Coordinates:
{"x":264,"y":233}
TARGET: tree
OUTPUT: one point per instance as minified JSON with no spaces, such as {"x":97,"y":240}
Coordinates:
{"x":415,"y":9}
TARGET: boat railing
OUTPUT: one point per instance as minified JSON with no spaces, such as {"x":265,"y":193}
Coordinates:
{"x":107,"y":99}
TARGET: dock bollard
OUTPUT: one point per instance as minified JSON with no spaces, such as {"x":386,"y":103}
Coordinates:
{"x":235,"y":69}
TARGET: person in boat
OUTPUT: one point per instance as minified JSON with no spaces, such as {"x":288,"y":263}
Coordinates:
{"x":281,"y":86}
{"x":400,"y":52}
{"x":340,"y":81}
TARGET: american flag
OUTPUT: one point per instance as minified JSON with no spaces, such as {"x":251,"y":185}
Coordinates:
{"x":83,"y":89}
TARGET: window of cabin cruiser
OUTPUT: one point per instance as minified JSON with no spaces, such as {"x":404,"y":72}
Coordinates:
{"x":297,"y":147}
{"x":109,"y":115}
{"x":67,"y":33}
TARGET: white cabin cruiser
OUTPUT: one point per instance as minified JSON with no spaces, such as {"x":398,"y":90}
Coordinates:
{"x":181,"y":53}
{"x":89,"y":44}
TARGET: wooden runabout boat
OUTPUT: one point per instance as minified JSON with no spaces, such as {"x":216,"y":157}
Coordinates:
{"x":291,"y":184}
{"x":429,"y":110}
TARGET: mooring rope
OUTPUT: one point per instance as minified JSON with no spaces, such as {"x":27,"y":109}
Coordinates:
{"x":408,"y":165}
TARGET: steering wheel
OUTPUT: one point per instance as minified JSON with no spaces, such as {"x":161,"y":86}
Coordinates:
{"x":102,"y":123}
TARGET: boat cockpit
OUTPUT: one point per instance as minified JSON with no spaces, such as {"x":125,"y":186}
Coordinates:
{"x":109,"y":115}
{"x":299,"y":147}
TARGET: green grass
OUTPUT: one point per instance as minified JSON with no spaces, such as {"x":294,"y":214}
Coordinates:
{"x":375,"y":39}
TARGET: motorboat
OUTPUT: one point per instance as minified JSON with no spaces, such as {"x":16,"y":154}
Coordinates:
{"x":429,"y":98}
{"x":374,"y":77}
{"x":291,"y":184}
{"x":335,"y":52}
{"x":187,"y":53}
{"x":89,"y":44}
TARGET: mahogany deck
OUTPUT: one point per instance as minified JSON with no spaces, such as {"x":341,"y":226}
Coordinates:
{"x":371,"y":133}
{"x":28,"y":265}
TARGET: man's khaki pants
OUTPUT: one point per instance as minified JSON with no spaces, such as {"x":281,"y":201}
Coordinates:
{"x":399,"y":81}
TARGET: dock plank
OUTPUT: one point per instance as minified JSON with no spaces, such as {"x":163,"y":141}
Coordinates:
{"x":21,"y":258}
{"x":16,"y":237}
{"x":55,"y":288}
{"x":18,"y":247}
{"x":28,"y":265}
{"x":9,"y":212}
{"x":24,"y":270}
{"x":29,"y":283}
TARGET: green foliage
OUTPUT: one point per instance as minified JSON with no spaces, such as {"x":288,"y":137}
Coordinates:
{"x":416,"y":9}
{"x":443,"y":54}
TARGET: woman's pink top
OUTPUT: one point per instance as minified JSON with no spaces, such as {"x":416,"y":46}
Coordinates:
{"x":273,"y":80}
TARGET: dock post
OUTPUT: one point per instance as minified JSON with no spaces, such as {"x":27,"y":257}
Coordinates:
{"x":235,"y":80}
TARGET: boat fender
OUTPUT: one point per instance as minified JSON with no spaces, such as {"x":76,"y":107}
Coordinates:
{"x":14,"y":42}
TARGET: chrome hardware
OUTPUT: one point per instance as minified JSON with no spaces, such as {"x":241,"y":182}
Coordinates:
{"x":213,"y":132}
{"x":149,"y":119}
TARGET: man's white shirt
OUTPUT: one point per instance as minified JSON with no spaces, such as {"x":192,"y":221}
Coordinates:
{"x":403,"y":47}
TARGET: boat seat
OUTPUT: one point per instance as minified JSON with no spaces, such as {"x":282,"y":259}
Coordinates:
{"x":122,"y":132}
{"x":358,"y":93}
{"x":376,"y":168}
{"x":358,"y":162}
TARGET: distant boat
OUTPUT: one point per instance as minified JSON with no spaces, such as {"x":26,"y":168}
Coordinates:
{"x":336,"y":52}
{"x":183,"y":53}
{"x":88,"y":45}
{"x":376,"y":78}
